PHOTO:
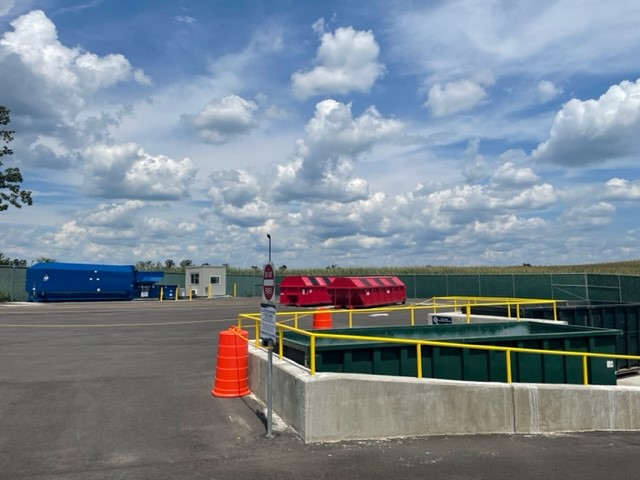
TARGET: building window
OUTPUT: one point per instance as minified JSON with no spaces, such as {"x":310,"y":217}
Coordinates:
{"x":195,"y":278}
{"x":214,"y":280}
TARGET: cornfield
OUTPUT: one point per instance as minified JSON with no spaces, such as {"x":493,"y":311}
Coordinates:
{"x":631,"y":267}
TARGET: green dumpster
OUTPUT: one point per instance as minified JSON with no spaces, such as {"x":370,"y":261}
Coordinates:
{"x":455,"y":363}
{"x":622,"y":316}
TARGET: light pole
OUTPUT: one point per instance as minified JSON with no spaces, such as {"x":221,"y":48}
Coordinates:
{"x":269,"y":237}
{"x":270,"y":363}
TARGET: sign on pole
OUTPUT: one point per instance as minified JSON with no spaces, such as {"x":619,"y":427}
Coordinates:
{"x":268,"y":282}
{"x":268,"y":329}
{"x":268,"y":324}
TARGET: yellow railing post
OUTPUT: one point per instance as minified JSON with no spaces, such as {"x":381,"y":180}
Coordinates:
{"x":585,"y":371}
{"x":234,"y":289}
{"x":209,"y":292}
{"x":161,"y":292}
{"x":518,"y":311}
{"x":413,"y":315}
{"x":419,"y":359}
{"x":295,"y":320}
{"x":312,"y":354}
{"x":257,"y":324}
{"x":177,"y":294}
{"x":350,"y":318}
{"x":508,"y":360}
{"x":468,"y":313}
{"x":555,"y":312}
{"x":280,"y":343}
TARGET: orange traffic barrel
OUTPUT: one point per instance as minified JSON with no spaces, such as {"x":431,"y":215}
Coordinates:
{"x":322,"y":319}
{"x":232,"y":366}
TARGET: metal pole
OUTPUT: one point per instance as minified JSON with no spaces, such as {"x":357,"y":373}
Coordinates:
{"x":13,"y":284}
{"x":269,"y":237}
{"x":270,"y":372}
{"x":270,"y":394}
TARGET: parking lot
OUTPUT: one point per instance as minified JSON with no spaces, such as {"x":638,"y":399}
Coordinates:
{"x":121,"y":390}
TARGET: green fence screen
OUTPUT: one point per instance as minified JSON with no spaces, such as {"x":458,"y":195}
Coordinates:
{"x":573,"y":286}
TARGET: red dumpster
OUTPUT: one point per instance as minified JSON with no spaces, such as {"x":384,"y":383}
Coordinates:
{"x":362,"y":292}
{"x":303,"y":291}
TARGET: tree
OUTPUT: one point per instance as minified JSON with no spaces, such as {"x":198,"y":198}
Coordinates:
{"x":45,"y":260}
{"x":15,"y":262}
{"x":169,"y":264}
{"x":11,"y":178}
{"x":186,"y":263}
{"x":144,"y":265}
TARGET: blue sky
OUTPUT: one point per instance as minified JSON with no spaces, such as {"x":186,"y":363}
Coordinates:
{"x":354,"y":133}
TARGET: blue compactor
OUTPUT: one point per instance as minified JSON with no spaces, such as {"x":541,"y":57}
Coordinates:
{"x":69,"y":282}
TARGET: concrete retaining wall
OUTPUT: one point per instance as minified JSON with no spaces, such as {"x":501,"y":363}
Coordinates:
{"x":334,"y":406}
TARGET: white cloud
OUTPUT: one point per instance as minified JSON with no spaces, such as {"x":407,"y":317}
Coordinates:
{"x":547,"y":91}
{"x":369,"y":217}
{"x":335,"y":182}
{"x":454,"y":97}
{"x":319,"y":26}
{"x":346,"y":61}
{"x":141,"y":77}
{"x":594,"y":131}
{"x":534,"y":198}
{"x":113,"y":232}
{"x":456,"y":38}
{"x":219,"y":122}
{"x":509,"y":175}
{"x":621,"y":189}
{"x":316,"y":181}
{"x":51,"y":89}
{"x":185,"y":19}
{"x":234,"y":187}
{"x":506,"y":226}
{"x":114,"y":215}
{"x":127,"y":171}
{"x":35,"y":41}
{"x":589,"y":216}
{"x":323,"y":163}
{"x":334,"y":130}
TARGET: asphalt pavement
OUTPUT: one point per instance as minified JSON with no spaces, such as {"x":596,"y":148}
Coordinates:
{"x":122,"y":390}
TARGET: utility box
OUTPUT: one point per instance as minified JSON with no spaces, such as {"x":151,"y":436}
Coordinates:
{"x":168,"y":292}
{"x":363,"y":292}
{"x":302,"y":291}
{"x":206,"y":281}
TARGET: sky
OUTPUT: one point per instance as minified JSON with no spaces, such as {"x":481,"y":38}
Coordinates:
{"x":377,"y":133}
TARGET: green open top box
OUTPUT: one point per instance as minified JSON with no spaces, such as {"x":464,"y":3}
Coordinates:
{"x":455,"y":363}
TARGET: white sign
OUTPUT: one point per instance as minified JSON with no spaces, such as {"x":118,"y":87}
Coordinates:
{"x":440,"y":320}
{"x":267,"y":322}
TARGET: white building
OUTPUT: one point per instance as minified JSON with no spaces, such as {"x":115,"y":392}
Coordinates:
{"x":206,"y":281}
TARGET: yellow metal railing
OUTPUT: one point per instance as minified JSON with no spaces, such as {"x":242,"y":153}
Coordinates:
{"x":281,"y":326}
{"x":467,"y":302}
{"x":436,"y":304}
